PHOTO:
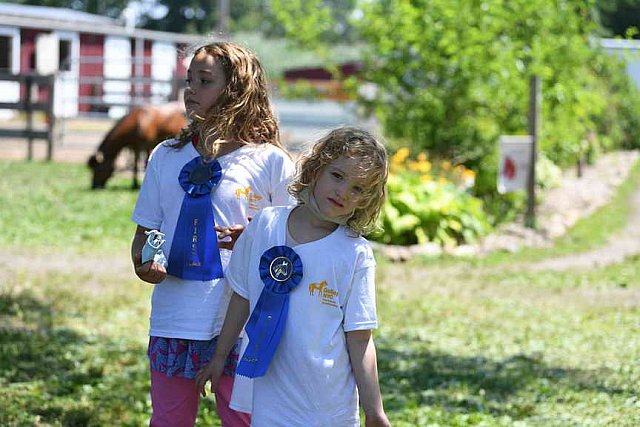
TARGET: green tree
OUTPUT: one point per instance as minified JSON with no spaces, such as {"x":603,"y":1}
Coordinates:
{"x":310,"y":23}
{"x":450,"y":77}
{"x":457,"y":77}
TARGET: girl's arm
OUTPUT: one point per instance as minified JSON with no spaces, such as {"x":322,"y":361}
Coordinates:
{"x":150,"y":271}
{"x":362,"y":353}
{"x":237,"y":315}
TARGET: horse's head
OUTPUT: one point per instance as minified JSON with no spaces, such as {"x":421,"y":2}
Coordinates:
{"x":102,"y":170}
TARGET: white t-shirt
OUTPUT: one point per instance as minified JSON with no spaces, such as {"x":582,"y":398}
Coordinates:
{"x":254,"y":176}
{"x":309,"y":381}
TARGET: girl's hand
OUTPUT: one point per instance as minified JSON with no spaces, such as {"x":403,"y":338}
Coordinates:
{"x":376,"y":420}
{"x":210,"y":372}
{"x":231,"y":232}
{"x":150,"y":271}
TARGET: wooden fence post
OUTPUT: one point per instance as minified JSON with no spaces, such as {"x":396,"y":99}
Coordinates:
{"x":51,"y":118}
{"x":535,"y":101}
{"x":29,"y":111}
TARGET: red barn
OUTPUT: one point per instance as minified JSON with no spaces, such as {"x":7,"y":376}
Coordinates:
{"x":100,"y":63}
{"x":324,"y":80}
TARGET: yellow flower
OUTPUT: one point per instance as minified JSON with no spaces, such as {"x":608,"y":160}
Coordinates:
{"x":426,"y":178}
{"x":400,"y":156}
{"x":446,"y":165}
{"x":422,"y":157}
{"x":423,"y":166}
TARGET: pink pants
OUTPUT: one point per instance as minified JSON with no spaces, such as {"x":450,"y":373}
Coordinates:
{"x":175,"y":402}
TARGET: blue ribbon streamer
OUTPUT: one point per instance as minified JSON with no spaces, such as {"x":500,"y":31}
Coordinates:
{"x":194,"y":251}
{"x":281,"y":271}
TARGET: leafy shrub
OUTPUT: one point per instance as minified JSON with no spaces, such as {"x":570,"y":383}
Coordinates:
{"x":428,"y":202}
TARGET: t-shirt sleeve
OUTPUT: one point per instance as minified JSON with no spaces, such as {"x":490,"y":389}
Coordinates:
{"x":147,"y":211}
{"x":237,"y":273}
{"x":282,"y":170}
{"x":360,"y":307}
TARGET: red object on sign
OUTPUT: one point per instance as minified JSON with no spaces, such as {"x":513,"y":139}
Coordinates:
{"x":509,"y":168}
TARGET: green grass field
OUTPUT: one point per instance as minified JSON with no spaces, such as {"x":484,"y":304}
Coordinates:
{"x":461,"y":343}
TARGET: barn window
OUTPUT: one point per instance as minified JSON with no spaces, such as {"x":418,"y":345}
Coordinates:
{"x":64,"y":55}
{"x":5,"y":53}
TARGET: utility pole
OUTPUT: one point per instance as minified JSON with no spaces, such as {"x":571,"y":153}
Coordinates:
{"x":535,"y":102}
{"x":223,"y":23}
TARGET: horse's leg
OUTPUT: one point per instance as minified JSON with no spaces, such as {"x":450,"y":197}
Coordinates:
{"x":136,"y":159}
{"x":146,"y":159}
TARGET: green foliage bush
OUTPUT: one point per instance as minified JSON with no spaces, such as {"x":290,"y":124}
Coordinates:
{"x":431,"y":202}
{"x":427,"y":205}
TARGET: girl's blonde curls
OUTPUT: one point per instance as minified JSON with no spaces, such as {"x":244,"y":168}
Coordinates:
{"x":373,"y":168}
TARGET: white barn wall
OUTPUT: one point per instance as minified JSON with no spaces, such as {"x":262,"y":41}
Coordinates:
{"x":66,"y":85}
{"x":10,"y":91}
{"x":164,"y":57}
{"x":117,"y":65}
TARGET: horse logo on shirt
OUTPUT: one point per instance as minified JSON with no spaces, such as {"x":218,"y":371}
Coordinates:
{"x":252,"y":198}
{"x":243,"y":192}
{"x":317,"y":287}
{"x":326,"y":295}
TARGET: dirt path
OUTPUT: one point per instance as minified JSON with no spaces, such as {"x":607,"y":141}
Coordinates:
{"x":620,"y":246}
{"x":16,"y":262}
{"x":561,"y":207}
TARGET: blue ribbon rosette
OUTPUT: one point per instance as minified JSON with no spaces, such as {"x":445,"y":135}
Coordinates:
{"x":281,"y":271}
{"x":194,"y":251}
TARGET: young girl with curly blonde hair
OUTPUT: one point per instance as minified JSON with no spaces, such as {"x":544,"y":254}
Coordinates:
{"x":305,"y":279}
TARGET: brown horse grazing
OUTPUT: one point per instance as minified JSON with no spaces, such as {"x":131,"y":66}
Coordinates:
{"x":140,"y":130}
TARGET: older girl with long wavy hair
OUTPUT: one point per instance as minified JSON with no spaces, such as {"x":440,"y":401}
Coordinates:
{"x":199,"y":192}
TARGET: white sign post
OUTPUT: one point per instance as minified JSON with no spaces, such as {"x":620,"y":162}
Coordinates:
{"x":515,"y":160}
